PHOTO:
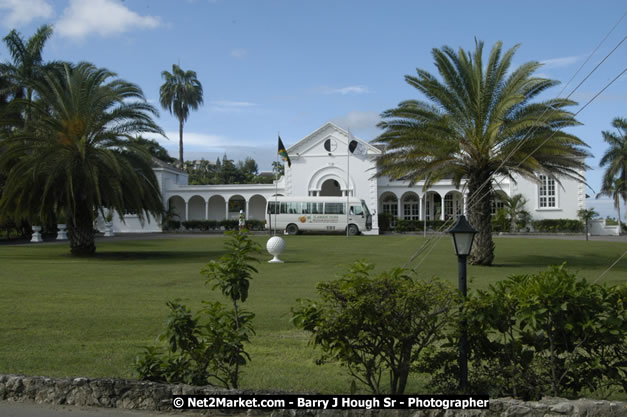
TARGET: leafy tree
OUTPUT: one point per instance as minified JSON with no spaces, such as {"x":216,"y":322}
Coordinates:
{"x":180,"y":92}
{"x":153,"y":148}
{"x":278,"y":169}
{"x":373,"y":324}
{"x":585,"y":215}
{"x":76,"y":155}
{"x":480,"y":120}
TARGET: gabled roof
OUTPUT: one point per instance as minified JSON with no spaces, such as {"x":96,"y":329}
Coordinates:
{"x":322,"y":133}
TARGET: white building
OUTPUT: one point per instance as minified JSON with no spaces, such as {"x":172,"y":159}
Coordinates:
{"x":319,"y":168}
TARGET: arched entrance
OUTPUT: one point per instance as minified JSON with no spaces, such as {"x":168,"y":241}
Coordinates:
{"x":331,"y":188}
{"x":196,"y":208}
{"x":177,"y":205}
{"x":217,"y":208}
{"x":257,"y":207}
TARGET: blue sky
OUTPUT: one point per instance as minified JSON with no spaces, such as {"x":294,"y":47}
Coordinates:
{"x":290,"y":66}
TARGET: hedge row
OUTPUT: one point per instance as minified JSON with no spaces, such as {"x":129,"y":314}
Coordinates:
{"x":542,"y":226}
{"x":206,"y":225}
{"x":558,"y":225}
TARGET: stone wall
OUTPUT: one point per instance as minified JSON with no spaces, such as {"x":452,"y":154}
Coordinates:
{"x":130,"y":394}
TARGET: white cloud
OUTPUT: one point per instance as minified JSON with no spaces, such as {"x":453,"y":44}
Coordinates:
{"x":352,"y":89}
{"x":22,"y":12}
{"x":228,"y":106}
{"x":560,"y":62}
{"x":358,"y":120}
{"x":239,"y":52}
{"x":101,"y":17}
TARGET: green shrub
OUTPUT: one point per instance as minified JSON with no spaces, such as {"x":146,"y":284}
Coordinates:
{"x":208,"y":348}
{"x":558,"y":226}
{"x":533,"y":335}
{"x":384,"y":220}
{"x":376,"y":325}
{"x":173,"y":225}
{"x":229,"y":224}
{"x":255,"y":225}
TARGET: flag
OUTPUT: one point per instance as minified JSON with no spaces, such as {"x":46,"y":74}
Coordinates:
{"x":283,"y":153}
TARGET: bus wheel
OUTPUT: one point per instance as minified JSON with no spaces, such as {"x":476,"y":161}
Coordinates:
{"x":353,"y":229}
{"x":291,"y":229}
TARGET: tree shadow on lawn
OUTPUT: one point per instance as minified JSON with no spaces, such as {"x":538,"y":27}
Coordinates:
{"x":148,"y":255}
{"x":587,"y":261}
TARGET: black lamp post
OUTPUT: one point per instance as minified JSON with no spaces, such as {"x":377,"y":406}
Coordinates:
{"x":463,"y":236}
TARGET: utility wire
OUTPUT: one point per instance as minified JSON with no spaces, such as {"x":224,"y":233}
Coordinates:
{"x":429,"y":244}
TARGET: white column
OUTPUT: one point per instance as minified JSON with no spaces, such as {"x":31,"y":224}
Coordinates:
{"x":246,"y":212}
{"x":226,"y":209}
{"x":399,"y":211}
{"x":186,"y":210}
{"x":207,"y":209}
{"x":465,"y":200}
{"x":420,"y":209}
{"x":442,"y":205}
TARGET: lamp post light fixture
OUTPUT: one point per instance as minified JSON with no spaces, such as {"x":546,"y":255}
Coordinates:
{"x":463,"y":237}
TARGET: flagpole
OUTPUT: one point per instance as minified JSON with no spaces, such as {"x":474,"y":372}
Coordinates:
{"x":276,"y":187}
{"x":348,"y":158}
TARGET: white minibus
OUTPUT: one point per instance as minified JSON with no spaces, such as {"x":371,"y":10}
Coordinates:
{"x":318,"y":214}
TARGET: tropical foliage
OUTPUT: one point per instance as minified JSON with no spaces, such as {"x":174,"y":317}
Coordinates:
{"x":208,"y":347}
{"x":538,"y":334}
{"x":585,"y":215}
{"x":180,"y":92}
{"x":75,"y":157}
{"x":615,"y":161}
{"x":225,"y":171}
{"x":378,"y":325}
{"x":479,"y":120}
{"x":27,"y":64}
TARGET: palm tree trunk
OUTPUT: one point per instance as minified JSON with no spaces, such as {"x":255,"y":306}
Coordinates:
{"x":480,"y":217}
{"x":81,"y":234}
{"x":181,"y":144}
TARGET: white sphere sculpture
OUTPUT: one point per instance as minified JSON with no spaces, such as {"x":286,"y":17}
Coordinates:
{"x":275,"y":247}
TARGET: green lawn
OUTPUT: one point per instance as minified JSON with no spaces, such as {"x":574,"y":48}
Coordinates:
{"x":61,"y":316}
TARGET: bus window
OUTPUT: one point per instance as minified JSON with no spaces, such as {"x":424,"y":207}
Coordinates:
{"x":313,"y":208}
{"x":334,"y":208}
{"x":290,"y":208}
{"x":356,"y":210}
{"x":272,"y":205}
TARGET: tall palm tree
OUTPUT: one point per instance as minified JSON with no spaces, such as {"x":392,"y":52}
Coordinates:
{"x":615,"y":190}
{"x":180,"y":92}
{"x":27,"y":64}
{"x":615,"y":158}
{"x":479,"y":121}
{"x":76,"y":156}
{"x":585,"y":215}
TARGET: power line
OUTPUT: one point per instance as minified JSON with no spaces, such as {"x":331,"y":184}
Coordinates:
{"x":428,"y":245}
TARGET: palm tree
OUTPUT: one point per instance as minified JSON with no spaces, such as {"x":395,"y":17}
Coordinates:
{"x":615,"y":158}
{"x":180,"y":92}
{"x":27,"y":64}
{"x":585,"y":215}
{"x":76,"y":156}
{"x":615,"y":190}
{"x":480,"y":121}
{"x":514,"y":206}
